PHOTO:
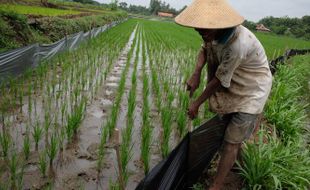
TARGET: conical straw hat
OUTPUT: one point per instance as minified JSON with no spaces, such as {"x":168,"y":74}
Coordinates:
{"x":209,"y":14}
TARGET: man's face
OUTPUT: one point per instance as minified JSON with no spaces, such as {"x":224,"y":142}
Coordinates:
{"x":207,"y":35}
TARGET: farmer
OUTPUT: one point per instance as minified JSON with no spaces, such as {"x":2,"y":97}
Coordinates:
{"x":239,"y":79}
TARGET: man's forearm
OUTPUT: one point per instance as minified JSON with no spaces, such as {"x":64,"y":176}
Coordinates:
{"x":210,"y":89}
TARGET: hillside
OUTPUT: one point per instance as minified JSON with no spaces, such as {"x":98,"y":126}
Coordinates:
{"x":26,"y":22}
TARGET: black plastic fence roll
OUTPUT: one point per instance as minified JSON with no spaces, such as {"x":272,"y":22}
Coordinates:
{"x":287,"y":55}
{"x":185,"y":164}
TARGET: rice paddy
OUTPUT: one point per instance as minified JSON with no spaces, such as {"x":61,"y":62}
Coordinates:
{"x":60,"y":122}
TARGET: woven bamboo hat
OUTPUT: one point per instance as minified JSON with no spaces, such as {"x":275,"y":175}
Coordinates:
{"x":209,"y":14}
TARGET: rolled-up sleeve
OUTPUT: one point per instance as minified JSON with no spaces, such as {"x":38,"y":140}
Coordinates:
{"x":227,"y":67}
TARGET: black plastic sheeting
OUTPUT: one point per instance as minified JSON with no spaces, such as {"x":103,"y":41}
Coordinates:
{"x":185,"y":164}
{"x":287,"y":55}
{"x":15,"y":62}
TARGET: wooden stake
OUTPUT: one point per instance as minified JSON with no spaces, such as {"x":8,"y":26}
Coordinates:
{"x":116,"y":142}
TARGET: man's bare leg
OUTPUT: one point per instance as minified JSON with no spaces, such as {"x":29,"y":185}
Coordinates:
{"x":227,"y":160}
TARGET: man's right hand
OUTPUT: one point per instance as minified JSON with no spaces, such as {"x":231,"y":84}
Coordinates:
{"x":193,"y":83}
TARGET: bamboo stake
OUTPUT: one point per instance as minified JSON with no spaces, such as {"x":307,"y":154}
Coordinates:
{"x":116,"y":142}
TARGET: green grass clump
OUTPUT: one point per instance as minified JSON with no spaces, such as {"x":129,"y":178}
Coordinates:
{"x":284,"y":108}
{"x":275,"y":165}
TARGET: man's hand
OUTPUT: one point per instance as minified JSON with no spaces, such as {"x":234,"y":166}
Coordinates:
{"x":193,"y":110}
{"x":193,"y":83}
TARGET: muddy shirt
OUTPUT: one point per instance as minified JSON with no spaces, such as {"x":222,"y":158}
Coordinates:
{"x":241,"y":65}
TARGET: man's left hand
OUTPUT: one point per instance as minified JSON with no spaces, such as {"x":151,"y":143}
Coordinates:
{"x":193,"y":110}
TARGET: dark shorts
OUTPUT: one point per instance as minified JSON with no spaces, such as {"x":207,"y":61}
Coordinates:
{"x":240,"y":127}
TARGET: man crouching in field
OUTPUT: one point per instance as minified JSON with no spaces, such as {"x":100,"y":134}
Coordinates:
{"x":239,"y":78}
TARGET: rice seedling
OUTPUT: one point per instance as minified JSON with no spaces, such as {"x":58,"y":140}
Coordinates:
{"x":166,"y":117}
{"x":13,"y":168}
{"x":181,"y":121}
{"x":5,"y":142}
{"x":29,"y":102}
{"x":101,"y":152}
{"x":125,"y":154}
{"x":21,"y":99}
{"x":52,"y":149}
{"x":42,"y":163}
{"x":26,"y":146}
{"x":37,"y":134}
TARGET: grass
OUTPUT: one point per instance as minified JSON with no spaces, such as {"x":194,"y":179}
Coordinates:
{"x":36,"y":10}
{"x":284,"y":108}
{"x":275,"y":165}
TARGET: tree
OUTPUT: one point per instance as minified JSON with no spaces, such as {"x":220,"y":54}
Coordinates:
{"x":113,"y":5}
{"x":123,"y":5}
{"x":154,"y":7}
{"x":249,"y":24}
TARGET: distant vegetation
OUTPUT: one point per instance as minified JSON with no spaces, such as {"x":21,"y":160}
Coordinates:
{"x":154,"y":7}
{"x":294,"y":27}
{"x":87,"y":2}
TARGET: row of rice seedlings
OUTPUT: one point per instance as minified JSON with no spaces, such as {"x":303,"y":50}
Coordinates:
{"x":146,"y":124}
{"x":166,"y":110}
{"x":126,"y":145}
{"x":111,"y":123}
{"x":107,"y":128}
